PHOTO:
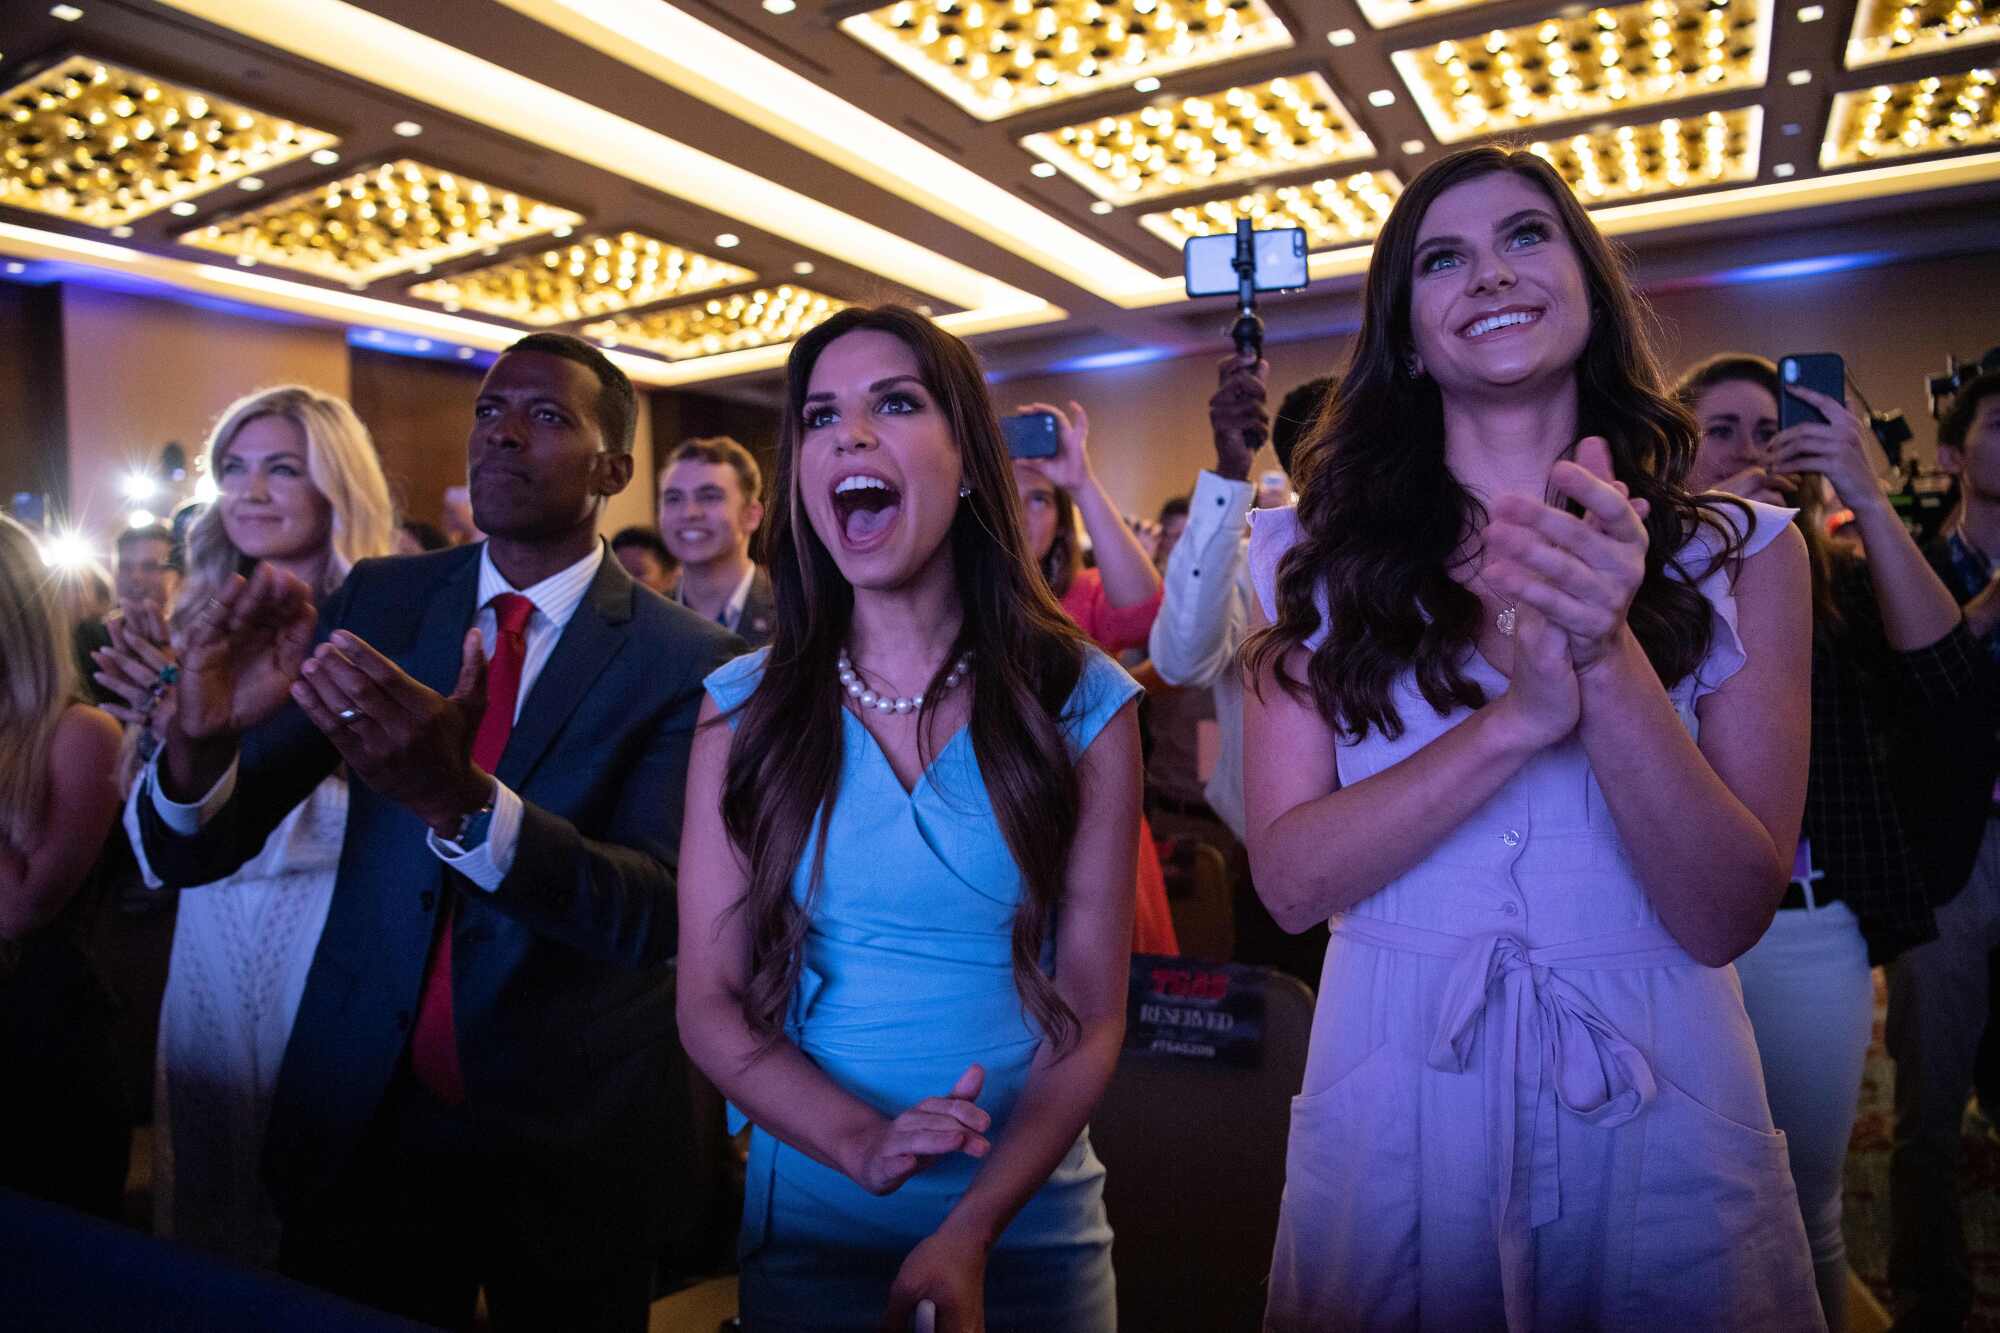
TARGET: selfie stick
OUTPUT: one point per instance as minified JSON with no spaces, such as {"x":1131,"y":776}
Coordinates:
{"x":1248,"y":330}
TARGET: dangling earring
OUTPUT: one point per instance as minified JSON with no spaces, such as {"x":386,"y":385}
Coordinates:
{"x":1414,"y":365}
{"x":963,"y":490}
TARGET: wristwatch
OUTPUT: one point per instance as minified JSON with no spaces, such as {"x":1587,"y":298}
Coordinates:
{"x":473,"y":826}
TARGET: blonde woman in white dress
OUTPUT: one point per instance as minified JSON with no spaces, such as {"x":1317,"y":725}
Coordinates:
{"x":302,"y":489}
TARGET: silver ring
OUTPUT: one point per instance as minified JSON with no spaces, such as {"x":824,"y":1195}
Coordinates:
{"x":348,"y":714}
{"x":214,"y":604}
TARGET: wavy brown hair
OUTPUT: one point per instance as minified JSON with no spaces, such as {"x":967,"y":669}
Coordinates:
{"x":784,"y":761}
{"x":1826,"y":557}
{"x":1384,"y":522}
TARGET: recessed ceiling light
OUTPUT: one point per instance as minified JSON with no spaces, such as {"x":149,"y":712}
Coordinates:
{"x":1382,"y":97}
{"x":409,"y":129}
{"x":1413,"y":146}
{"x":1043,"y":169}
{"x":1811,"y":13}
{"x":560,"y":232}
{"x":803,"y":267}
{"x":17,"y":268}
{"x":453,"y":306}
{"x":1783,"y":169}
{"x":490,"y":251}
{"x":729,"y":240}
{"x":608,"y":341}
{"x":1149,"y":84}
{"x":246,"y":261}
{"x":424,"y":267}
{"x":374,"y":335}
{"x":1101,"y":207}
{"x":325,"y":157}
{"x":1798,"y":78}
{"x":121,"y":231}
{"x":465,"y":354}
{"x":183,"y":209}
{"x":780,"y":6}
{"x":1341,"y":37}
{"x":422,"y":344}
{"x":1790,"y":129}
{"x":67,"y":13}
{"x":251,"y":183}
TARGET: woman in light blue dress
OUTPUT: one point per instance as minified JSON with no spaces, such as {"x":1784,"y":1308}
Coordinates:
{"x":906,"y":871}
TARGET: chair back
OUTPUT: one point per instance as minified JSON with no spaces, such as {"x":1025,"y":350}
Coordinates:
{"x":1194,"y":1156}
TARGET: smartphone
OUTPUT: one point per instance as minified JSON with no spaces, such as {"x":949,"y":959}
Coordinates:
{"x":1823,"y":372}
{"x":1032,"y":434}
{"x":1277,"y":261}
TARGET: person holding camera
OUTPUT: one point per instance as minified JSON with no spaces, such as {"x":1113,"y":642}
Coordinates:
{"x":1525,"y":726}
{"x":1940,"y":992}
{"x":1889,"y":646}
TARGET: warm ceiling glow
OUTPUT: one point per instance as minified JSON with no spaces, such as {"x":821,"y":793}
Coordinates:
{"x":1589,"y":64}
{"x":597,"y":276}
{"x":1898,"y":29}
{"x":722,"y":324}
{"x":1921,"y":116}
{"x":102,"y":145}
{"x":1343,"y":210}
{"x":1200,"y":142}
{"x":387,"y":219}
{"x":1389,"y":13}
{"x":1634,"y":161}
{"x":997,"y":57}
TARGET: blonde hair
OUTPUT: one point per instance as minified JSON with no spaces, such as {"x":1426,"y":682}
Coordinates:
{"x":340,"y":459}
{"x":38,"y":680}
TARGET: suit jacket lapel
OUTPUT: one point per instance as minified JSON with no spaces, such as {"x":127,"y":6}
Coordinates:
{"x":591,"y":639}
{"x":438,"y":652}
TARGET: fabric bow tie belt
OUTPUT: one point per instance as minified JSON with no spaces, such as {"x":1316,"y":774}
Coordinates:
{"x":1545,"y":1043}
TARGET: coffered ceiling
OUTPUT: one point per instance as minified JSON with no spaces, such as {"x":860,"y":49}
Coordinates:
{"x":694,"y":184}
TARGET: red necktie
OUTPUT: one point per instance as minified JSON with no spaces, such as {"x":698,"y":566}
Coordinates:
{"x":434,"y":1043}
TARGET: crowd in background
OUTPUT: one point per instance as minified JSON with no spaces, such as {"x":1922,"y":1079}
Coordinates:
{"x":1623,"y":677}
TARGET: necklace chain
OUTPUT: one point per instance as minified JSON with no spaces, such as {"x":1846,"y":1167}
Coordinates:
{"x":1505,"y":621}
{"x":858,"y":690}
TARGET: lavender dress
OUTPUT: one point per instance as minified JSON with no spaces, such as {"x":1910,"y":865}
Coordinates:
{"x":1526,"y":1106}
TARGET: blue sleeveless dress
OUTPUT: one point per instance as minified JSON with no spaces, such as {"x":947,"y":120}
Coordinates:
{"x":908,"y":978}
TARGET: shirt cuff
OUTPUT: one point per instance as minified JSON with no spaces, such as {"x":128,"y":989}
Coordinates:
{"x":487,"y":864}
{"x":186,"y":820}
{"x":1218,"y":505}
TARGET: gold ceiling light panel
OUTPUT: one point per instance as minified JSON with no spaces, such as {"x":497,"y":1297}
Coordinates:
{"x":1390,"y":13}
{"x":998,"y":57}
{"x":1921,"y":116}
{"x":1589,"y":64}
{"x":1335,"y":212}
{"x":720,"y":324}
{"x":596,"y":276}
{"x":1899,"y":29}
{"x":1635,"y":161}
{"x":388,"y":219}
{"x":95,"y":143}
{"x":1196,"y":143}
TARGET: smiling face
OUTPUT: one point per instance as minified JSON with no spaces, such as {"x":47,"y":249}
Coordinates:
{"x":1498,"y":298}
{"x":270,"y":508}
{"x":1738,"y":419}
{"x":536,"y":461}
{"x":704,"y":514}
{"x":878,"y":470}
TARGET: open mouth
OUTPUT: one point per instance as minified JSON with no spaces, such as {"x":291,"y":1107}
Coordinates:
{"x":866,"y":507}
{"x":1500,"y":320}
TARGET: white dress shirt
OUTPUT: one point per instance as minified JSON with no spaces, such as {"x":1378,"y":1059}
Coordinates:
{"x":1204,"y":619}
{"x":732,"y":610}
{"x":556,"y":599}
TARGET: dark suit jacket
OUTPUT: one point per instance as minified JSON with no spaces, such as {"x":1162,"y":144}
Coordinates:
{"x":759,"y":621}
{"x":562,"y":998}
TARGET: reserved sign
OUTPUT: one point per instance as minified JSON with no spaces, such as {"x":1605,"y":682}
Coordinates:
{"x":1195,"y":1011}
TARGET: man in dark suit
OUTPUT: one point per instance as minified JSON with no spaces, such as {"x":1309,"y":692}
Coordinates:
{"x":710,"y":506}
{"x":476,"y":1091}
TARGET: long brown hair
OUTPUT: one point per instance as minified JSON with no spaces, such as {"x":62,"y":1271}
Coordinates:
{"x":1826,"y":556}
{"x":784,"y":761}
{"x":1384,"y":521}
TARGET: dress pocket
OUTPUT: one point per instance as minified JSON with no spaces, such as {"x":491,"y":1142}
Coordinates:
{"x":1717,"y":1237}
{"x":1346,"y":1254}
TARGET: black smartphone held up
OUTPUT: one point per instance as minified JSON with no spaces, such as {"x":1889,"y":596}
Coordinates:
{"x":1032,"y":434}
{"x":1823,"y":372}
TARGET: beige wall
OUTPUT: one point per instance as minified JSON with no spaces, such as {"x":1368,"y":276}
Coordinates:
{"x":1149,"y":423}
{"x":139,"y":372}
{"x":633,"y":506}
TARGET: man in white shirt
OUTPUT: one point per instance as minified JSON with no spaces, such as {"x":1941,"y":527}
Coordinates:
{"x":710,"y":506}
{"x":1207,"y":613}
{"x":477,"y":1091}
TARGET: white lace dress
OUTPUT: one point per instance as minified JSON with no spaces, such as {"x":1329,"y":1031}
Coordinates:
{"x":242,"y":948}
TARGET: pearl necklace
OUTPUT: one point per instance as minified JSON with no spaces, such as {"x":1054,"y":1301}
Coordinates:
{"x":851,"y":681}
